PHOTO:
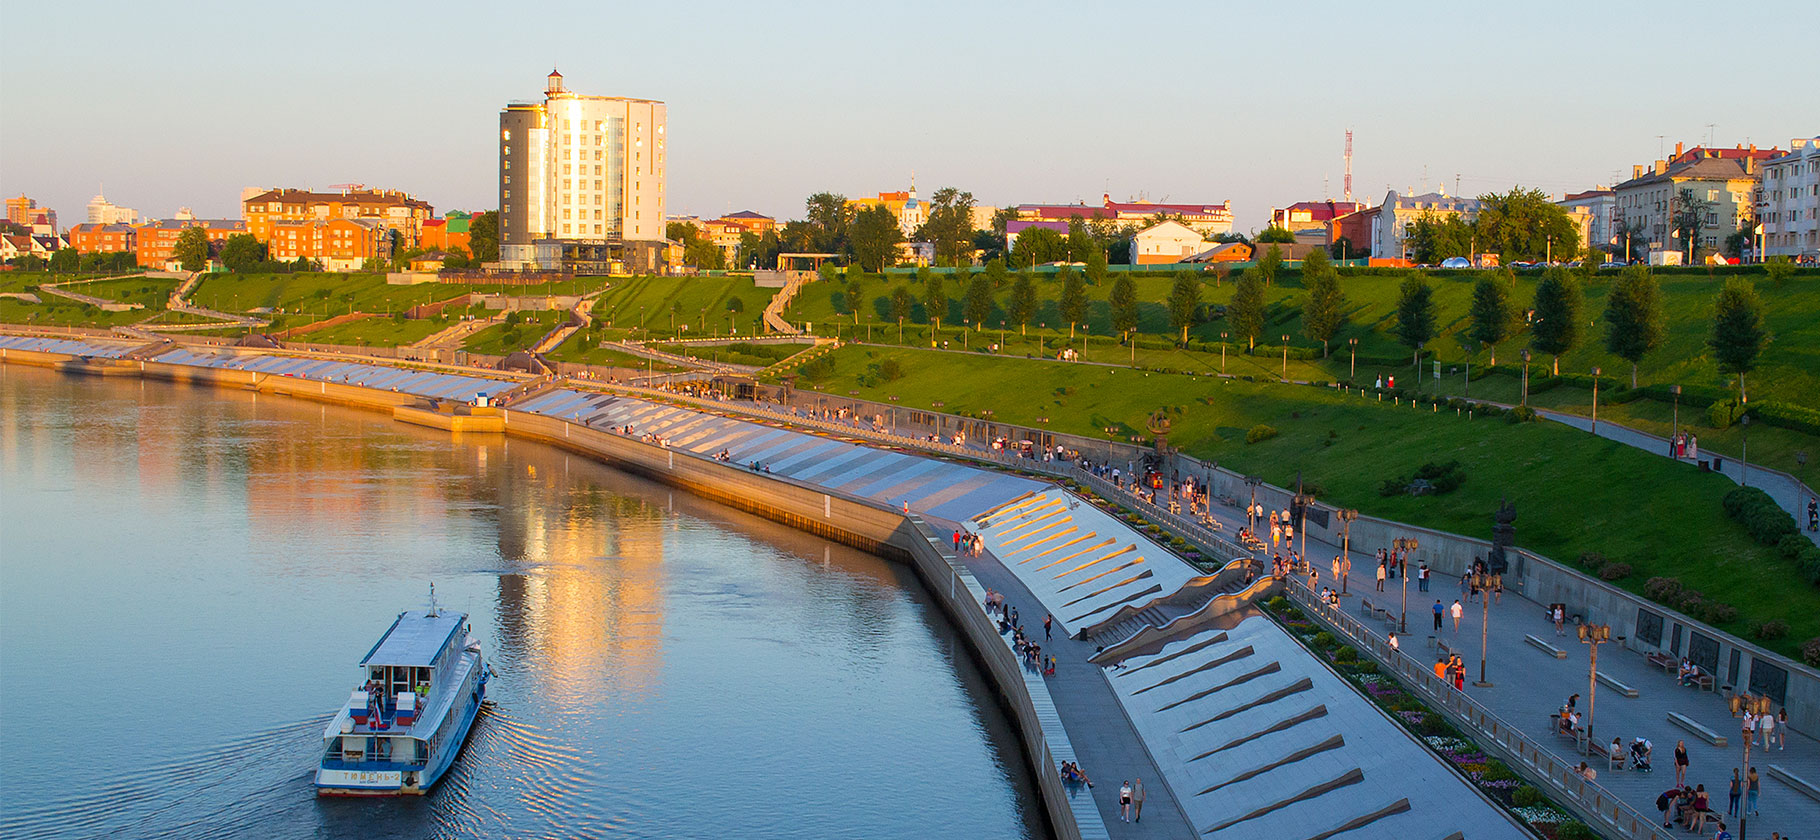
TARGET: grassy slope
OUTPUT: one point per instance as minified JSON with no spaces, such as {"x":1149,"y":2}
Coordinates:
{"x":647,"y":301}
{"x":503,"y":339}
{"x":1574,"y":493}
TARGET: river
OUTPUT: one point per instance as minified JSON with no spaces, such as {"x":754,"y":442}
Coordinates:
{"x":189,"y":575}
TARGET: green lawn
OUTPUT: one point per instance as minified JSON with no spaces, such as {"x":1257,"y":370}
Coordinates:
{"x":63,"y":312}
{"x":740,"y":353}
{"x":584,"y":352}
{"x":375,"y":332}
{"x":1573,"y":492}
{"x":154,"y":293}
{"x":322,"y":293}
{"x":504,"y":339}
{"x":699,"y":302}
{"x":1789,"y":369}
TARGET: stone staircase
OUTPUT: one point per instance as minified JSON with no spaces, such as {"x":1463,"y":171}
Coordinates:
{"x":1155,"y":616}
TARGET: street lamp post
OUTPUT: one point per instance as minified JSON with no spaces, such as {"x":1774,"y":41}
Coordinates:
{"x":1285,"y":357}
{"x":1675,"y":428}
{"x":1525,"y":377}
{"x":1755,"y":706}
{"x":1482,"y":580}
{"x":1251,"y":511}
{"x":1595,"y":400}
{"x":1347,"y":515}
{"x":1352,"y":370}
{"x":1223,"y":353}
{"x":1744,"y":480}
{"x":1593,"y":635}
{"x":1402,"y":544}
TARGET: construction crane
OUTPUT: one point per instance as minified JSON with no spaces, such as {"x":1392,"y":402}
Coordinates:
{"x":1349,"y":164}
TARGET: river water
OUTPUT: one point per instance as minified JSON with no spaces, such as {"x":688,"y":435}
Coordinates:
{"x":189,"y":575}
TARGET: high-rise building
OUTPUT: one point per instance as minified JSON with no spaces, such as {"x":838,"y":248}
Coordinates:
{"x":1789,"y":204}
{"x":581,"y":182}
{"x":25,"y":212}
{"x":104,"y":212}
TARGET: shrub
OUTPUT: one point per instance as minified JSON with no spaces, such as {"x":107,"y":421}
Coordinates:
{"x":1809,"y":560}
{"x":1322,"y":640}
{"x":1766,"y":521}
{"x":1526,"y":796}
{"x":1615,"y":571}
{"x":1260,"y":432}
{"x":1498,"y":771}
{"x":1523,"y":414}
{"x":1663,"y":590}
{"x":892,"y":370}
{"x":1593,"y":561}
{"x":1277,"y":603}
{"x":1366,"y":666}
{"x":1293,"y":614}
{"x":1434,"y":724}
{"x":1810,"y":651}
{"x":1719,"y":415}
{"x":1346,"y":653}
{"x":1574,"y":830}
{"x":1790,"y":545}
{"x":1767,"y":630}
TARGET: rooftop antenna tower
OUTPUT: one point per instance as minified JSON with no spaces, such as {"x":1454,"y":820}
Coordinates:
{"x":1349,"y":164}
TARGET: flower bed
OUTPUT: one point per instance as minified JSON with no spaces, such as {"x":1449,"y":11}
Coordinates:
{"x":1493,"y":777}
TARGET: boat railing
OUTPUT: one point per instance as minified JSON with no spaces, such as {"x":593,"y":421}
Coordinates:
{"x":373,"y":764}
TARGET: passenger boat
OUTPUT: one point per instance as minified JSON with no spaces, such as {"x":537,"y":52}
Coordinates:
{"x":400,"y":731}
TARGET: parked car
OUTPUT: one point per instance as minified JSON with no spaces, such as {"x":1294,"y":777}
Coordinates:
{"x":1614,"y":264}
{"x":1456,"y":262}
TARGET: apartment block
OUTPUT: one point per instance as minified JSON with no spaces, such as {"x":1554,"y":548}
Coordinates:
{"x":392,"y":210}
{"x":339,"y":244}
{"x":1789,"y":209}
{"x":92,"y":238}
{"x":155,"y":243}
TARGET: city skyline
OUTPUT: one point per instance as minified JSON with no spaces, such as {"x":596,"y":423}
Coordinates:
{"x":1078,"y":105}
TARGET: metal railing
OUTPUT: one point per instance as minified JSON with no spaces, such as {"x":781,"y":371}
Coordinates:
{"x":1591,"y":801}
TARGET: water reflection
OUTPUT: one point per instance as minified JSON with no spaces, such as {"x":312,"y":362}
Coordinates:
{"x":189,"y":575}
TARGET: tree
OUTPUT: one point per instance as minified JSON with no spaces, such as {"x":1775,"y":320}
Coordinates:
{"x":1124,"y":304}
{"x":1634,"y":321}
{"x":995,"y":272}
{"x":979,"y":300}
{"x":1270,"y":263}
{"x":698,"y":250}
{"x":483,"y":236}
{"x":192,"y":251}
{"x":1344,"y":248}
{"x":949,"y":226}
{"x":1557,"y":325}
{"x":1096,"y":265}
{"x":1023,"y":299}
{"x":1325,"y":310}
{"x":1490,"y":312}
{"x":241,"y":252}
{"x":1524,"y":225}
{"x":935,"y":297}
{"x":1688,"y":219}
{"x":901,"y":301}
{"x":1276,"y":234}
{"x":1184,"y":299}
{"x":1246,"y":311}
{"x":1038,"y":245}
{"x":1738,"y":334}
{"x":1415,"y":314}
{"x":1074,"y":301}
{"x":874,"y":238}
{"x":1429,"y":240}
{"x":1777,"y":269}
{"x":67,"y":260}
{"x":828,"y":217}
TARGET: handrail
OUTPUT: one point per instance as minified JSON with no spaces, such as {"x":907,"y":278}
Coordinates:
{"x":1587,"y":798}
{"x":1216,"y":606}
{"x":1195,"y":586}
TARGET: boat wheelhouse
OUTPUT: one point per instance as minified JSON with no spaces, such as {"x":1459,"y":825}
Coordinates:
{"x":402,"y":728}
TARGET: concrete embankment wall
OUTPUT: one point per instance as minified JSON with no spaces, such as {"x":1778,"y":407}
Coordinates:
{"x":835,"y":516}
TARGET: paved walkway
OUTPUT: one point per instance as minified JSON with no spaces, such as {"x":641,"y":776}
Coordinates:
{"x":1790,"y":494}
{"x":1529,"y":685}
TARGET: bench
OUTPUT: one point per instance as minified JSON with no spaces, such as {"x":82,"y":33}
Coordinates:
{"x":1662,"y":660}
{"x":1614,"y":685}
{"x":1809,"y":788}
{"x":1698,"y":731}
{"x":1547,"y":648}
{"x":1443,"y":647}
{"x":1365,"y":607}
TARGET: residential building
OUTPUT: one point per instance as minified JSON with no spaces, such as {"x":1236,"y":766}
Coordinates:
{"x":93,"y":238}
{"x":25,"y":212}
{"x":752,"y":220}
{"x":1222,"y":252}
{"x":581,"y":182}
{"x":26,"y":245}
{"x":911,"y":212}
{"x":1597,"y":204}
{"x":1207,"y":219}
{"x":155,"y":243}
{"x":339,"y":244}
{"x":1725,"y":180}
{"x":1789,"y":209}
{"x":393,"y":210}
{"x":1356,"y":229}
{"x":1390,"y":226}
{"x":447,"y":234}
{"x":723,"y":232}
{"x":1166,"y":242}
{"x":1307,"y":216}
{"x":104,"y":212}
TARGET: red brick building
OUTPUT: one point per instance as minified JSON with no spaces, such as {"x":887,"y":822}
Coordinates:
{"x":155,"y":243}
{"x":101,"y":239}
{"x":339,"y":244}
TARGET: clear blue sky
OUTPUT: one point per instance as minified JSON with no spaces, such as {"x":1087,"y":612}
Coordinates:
{"x":185,"y":103}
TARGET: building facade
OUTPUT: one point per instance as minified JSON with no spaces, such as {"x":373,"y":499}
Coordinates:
{"x":339,"y":244}
{"x":391,"y":209}
{"x":1725,"y":181}
{"x":1207,"y":219}
{"x":1597,"y":205}
{"x":26,"y":213}
{"x":911,"y":212}
{"x":1167,"y":242}
{"x":1789,"y":209}
{"x":1309,"y":216}
{"x":155,"y":243}
{"x":586,"y":175}
{"x":447,"y":234}
{"x":1356,"y":229}
{"x":104,"y":212}
{"x":1390,"y":225}
{"x":92,"y":238}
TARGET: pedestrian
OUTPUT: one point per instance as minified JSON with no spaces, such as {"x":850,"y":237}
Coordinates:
{"x":1560,"y":617}
{"x":1750,"y":727}
{"x":1380,"y":577}
{"x":1767,"y":723}
{"x":1393,"y":643}
{"x":1438,"y":610}
{"x":1680,"y":763}
{"x":1125,"y":802}
{"x":1750,"y":792}
{"x":1422,"y":578}
{"x":1782,"y":729}
{"x":1457,"y":611}
{"x":1736,"y":794}
{"x":1047,"y":621}
{"x":1137,"y":801}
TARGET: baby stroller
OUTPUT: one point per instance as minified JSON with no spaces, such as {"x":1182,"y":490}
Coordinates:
{"x":1639,"y":755}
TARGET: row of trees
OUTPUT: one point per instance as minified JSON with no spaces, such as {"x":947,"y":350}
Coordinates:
{"x":1519,"y":225}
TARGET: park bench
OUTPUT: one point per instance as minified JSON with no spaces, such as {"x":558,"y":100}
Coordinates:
{"x":1698,"y":731}
{"x":1547,"y":648}
{"x":1614,"y":685}
{"x":1443,"y":647}
{"x":1662,"y":660}
{"x":1806,"y":787}
{"x":1365,"y":607}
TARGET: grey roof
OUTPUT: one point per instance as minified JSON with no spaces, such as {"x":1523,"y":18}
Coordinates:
{"x":415,"y":638}
{"x":1703,"y":169}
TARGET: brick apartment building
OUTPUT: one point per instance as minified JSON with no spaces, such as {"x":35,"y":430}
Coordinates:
{"x":339,"y":244}
{"x":89,"y":238}
{"x":391,"y":209}
{"x":155,"y":243}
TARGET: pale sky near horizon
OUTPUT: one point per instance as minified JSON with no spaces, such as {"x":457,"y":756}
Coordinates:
{"x":183,"y":104}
